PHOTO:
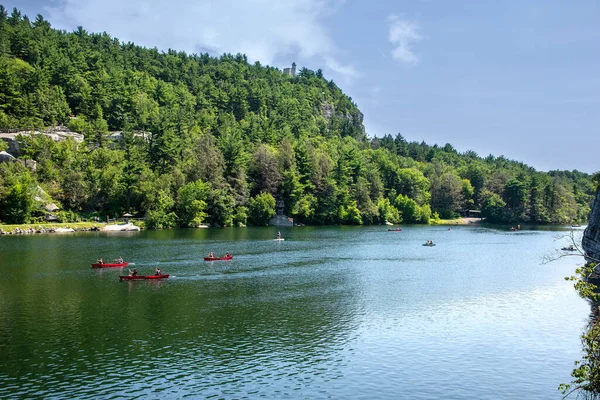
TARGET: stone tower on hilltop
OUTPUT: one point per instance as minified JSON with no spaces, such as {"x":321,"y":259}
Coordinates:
{"x":290,"y":71}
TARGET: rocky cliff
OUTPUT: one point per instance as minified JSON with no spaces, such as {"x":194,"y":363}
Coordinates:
{"x":591,"y":236}
{"x":56,"y":133}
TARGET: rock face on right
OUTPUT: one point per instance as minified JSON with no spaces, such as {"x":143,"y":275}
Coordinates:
{"x":591,"y":236}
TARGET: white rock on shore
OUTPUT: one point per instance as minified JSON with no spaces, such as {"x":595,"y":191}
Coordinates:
{"x":64,"y":230}
{"x":121,"y":228}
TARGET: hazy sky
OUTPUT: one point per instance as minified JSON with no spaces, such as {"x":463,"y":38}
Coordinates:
{"x":513,"y":78}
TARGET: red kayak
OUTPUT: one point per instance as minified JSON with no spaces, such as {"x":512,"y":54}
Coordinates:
{"x":142,"y":277}
{"x":224,"y":258}
{"x":110,"y":265}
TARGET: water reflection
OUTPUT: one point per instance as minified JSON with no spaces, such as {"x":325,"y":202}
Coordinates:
{"x":331,"y":312}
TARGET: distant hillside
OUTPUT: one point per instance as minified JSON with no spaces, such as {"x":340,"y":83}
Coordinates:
{"x":218,"y":140}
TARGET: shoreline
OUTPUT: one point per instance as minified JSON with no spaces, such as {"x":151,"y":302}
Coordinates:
{"x":65,"y":227}
{"x":461,"y":221}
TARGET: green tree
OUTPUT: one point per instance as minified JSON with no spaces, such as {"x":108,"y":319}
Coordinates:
{"x":261,"y":209}
{"x":17,"y":205}
{"x":446,"y":194}
{"x":387,"y":212}
{"x":492,"y":206}
{"x":161,"y":216}
{"x":192,"y":203}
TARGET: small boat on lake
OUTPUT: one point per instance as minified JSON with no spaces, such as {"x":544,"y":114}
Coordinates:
{"x":394,"y":230}
{"x":570,"y":248}
{"x":429,"y":244}
{"x":110,"y":265}
{"x":279,"y":239}
{"x":224,"y":258}
{"x":142,"y":277}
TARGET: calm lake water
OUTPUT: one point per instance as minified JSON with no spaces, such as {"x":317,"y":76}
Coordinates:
{"x":334,"y":312}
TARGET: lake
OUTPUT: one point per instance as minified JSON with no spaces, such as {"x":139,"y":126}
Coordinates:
{"x":331,"y":312}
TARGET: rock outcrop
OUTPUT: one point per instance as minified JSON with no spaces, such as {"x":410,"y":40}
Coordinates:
{"x":591,"y":236}
{"x":56,"y":133}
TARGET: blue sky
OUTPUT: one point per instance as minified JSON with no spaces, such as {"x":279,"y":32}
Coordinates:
{"x":519,"y":79}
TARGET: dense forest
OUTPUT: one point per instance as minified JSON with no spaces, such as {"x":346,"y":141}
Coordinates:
{"x":219,"y":140}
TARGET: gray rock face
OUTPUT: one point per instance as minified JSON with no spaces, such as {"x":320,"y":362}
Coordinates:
{"x":591,"y":236}
{"x":56,"y":133}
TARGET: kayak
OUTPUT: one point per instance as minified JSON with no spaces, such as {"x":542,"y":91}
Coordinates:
{"x":224,"y":258}
{"x":142,"y":277}
{"x":279,"y":240}
{"x":568,"y":249}
{"x":430,"y":245}
{"x":110,"y":265}
{"x":394,"y":230}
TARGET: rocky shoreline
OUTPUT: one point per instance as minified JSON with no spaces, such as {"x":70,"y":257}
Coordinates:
{"x":20,"y":231}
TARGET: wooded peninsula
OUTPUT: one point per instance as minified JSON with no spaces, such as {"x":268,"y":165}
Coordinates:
{"x":188,"y":139}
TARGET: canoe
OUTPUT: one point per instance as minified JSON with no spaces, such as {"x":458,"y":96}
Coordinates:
{"x":430,"y":245}
{"x":110,"y":265}
{"x":142,"y":277}
{"x":224,"y":258}
{"x":568,"y":249}
{"x":394,"y":230}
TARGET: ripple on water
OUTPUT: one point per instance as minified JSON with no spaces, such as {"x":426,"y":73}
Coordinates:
{"x":376,"y":317}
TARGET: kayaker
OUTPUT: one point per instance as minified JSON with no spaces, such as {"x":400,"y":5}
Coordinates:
{"x":278,"y":235}
{"x":134,"y":273}
{"x":100,"y":261}
{"x":210,"y":255}
{"x":158,"y":271}
{"x":120,"y":260}
{"x":227,"y":254}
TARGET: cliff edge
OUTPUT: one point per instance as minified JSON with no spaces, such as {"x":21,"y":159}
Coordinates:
{"x":591,"y":236}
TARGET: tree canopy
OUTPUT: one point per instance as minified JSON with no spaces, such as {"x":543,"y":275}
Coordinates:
{"x":186,"y":139}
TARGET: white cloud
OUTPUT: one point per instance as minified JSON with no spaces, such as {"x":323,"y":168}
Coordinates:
{"x":402,"y":35}
{"x":265,"y":30}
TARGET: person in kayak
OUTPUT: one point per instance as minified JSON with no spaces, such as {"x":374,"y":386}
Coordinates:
{"x":120,"y":260}
{"x":278,"y":235}
{"x":227,"y":254}
{"x":210,"y":255}
{"x":100,"y":261}
{"x":158,"y":272}
{"x":134,"y":273}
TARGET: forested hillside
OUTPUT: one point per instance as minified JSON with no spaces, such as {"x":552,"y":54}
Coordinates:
{"x":218,"y":140}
